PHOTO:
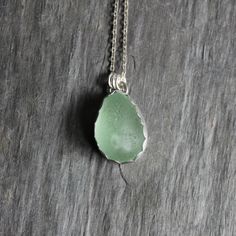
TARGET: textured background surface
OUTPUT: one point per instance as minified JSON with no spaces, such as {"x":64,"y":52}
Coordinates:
{"x":182,"y":74}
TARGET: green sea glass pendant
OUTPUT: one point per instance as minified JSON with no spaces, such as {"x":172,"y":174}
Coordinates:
{"x":120,"y":131}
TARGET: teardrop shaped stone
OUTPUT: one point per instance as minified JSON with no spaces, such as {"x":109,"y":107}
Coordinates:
{"x":119,"y":129}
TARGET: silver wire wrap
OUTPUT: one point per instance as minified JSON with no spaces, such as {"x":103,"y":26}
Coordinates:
{"x":117,"y":82}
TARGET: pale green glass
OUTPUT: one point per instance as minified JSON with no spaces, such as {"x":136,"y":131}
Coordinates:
{"x":119,"y":130}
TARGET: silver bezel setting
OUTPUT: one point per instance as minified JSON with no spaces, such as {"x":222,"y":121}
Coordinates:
{"x":145,"y":132}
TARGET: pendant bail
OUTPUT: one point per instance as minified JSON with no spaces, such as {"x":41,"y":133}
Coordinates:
{"x":118,"y":82}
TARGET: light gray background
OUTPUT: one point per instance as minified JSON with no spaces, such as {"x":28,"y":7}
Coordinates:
{"x":182,"y":75}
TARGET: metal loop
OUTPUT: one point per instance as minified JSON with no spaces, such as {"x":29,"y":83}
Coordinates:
{"x":118,"y":82}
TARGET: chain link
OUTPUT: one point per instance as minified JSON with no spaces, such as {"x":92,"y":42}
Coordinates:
{"x":124,"y":38}
{"x":114,"y":36}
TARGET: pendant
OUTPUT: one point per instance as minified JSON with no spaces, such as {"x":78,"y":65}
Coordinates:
{"x":120,"y":132}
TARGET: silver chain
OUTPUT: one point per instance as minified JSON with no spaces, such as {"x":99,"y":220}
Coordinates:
{"x":118,"y":81}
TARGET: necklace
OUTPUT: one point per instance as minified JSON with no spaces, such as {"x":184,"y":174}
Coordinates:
{"x":120,"y":131}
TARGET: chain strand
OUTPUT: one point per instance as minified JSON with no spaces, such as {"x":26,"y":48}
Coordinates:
{"x":125,"y":36}
{"x":124,"y":39}
{"x":114,"y":36}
